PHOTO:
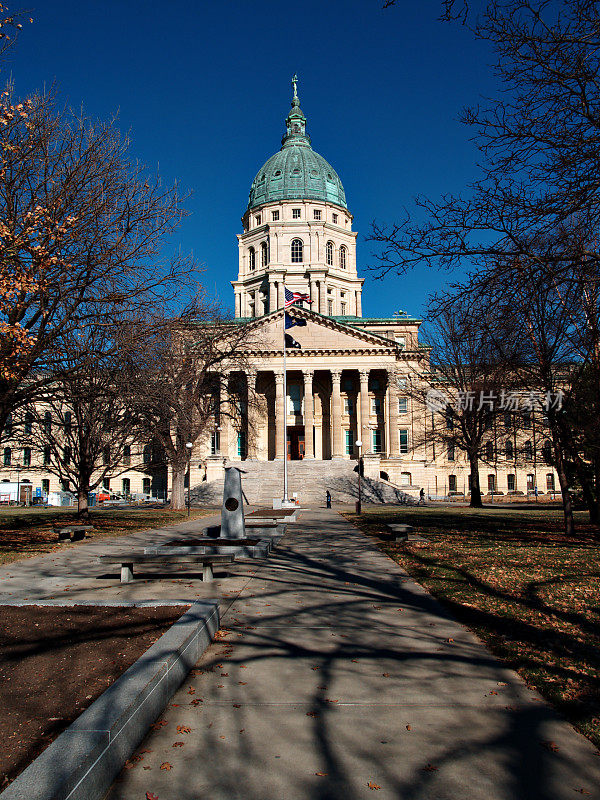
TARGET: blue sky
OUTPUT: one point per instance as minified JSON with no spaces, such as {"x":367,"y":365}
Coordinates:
{"x":203,"y":89}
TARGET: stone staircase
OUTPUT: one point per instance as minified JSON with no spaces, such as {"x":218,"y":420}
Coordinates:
{"x":263,"y":480}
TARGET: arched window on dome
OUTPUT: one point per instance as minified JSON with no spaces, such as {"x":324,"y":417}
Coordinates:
{"x":264,"y":255}
{"x":343,"y":257}
{"x":297,"y":251}
{"x":252,"y":258}
{"x":329,"y":253}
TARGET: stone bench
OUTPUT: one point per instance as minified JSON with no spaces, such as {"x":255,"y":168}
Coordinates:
{"x":73,"y":533}
{"x":127,"y":560}
{"x":399,"y":531}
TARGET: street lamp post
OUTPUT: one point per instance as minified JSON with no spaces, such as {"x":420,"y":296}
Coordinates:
{"x":359,"y":501}
{"x":189,"y":446}
{"x":18,"y":471}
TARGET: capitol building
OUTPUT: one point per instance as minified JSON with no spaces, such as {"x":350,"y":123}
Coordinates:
{"x":349,"y":380}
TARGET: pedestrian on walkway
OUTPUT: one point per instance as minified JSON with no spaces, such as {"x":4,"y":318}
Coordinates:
{"x":422,"y":496}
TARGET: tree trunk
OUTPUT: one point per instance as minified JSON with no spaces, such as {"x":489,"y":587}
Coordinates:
{"x":178,"y":488}
{"x":565,"y":492}
{"x":475,"y":487}
{"x":82,"y":502}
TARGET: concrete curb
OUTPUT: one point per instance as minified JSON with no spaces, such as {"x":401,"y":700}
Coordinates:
{"x":84,"y":760}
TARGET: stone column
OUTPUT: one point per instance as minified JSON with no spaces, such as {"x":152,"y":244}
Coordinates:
{"x":336,"y":414}
{"x":225,"y":417}
{"x":394,"y":443}
{"x":280,"y":297}
{"x":365,"y":433}
{"x":280,"y":444}
{"x":358,"y":304}
{"x":309,"y":415}
{"x":253,"y":421}
{"x":273,"y":295}
{"x":322,"y":297}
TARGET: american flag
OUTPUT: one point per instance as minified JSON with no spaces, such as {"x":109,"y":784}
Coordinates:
{"x":292,"y":297}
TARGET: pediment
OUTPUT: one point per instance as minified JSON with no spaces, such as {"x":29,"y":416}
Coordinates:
{"x":320,"y":333}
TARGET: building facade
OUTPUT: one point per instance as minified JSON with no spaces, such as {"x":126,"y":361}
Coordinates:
{"x":351,"y":380}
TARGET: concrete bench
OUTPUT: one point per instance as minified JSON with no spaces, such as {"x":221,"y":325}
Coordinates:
{"x":73,"y":532}
{"x":127,"y":560}
{"x":399,"y":531}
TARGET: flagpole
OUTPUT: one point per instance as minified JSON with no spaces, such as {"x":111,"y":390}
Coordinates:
{"x":285,"y":475}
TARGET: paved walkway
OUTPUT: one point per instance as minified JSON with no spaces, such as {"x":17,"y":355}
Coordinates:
{"x":339,"y":677}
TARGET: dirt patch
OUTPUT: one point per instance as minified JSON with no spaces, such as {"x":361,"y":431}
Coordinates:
{"x":211,"y":542}
{"x":269,"y":513}
{"x":55,"y":661}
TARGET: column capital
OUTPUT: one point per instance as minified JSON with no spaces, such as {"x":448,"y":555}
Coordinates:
{"x":364,"y":375}
{"x":336,"y":375}
{"x":308,"y":375}
{"x":279,"y":378}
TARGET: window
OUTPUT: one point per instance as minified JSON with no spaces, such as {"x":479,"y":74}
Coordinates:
{"x":330,"y":307}
{"x":106,"y":484}
{"x":8,"y":425}
{"x":348,"y":385}
{"x":68,"y":420}
{"x":241,"y":444}
{"x":295,"y":399}
{"x":405,"y":479}
{"x":48,"y":422}
{"x":348,"y":405}
{"x":297,"y":249}
{"x":146,"y":485}
{"x":451,"y":483}
{"x":527,"y":419}
{"x":45,"y":486}
{"x":547,"y":451}
{"x":489,"y":451}
{"x":295,"y":213}
{"x":508,"y":450}
{"x":404,"y":440}
{"x":252,"y":259}
{"x":449,"y":419}
{"x":451,"y":451}
{"x":550,"y":482}
{"x":317,"y":213}
{"x":491,"y":482}
{"x":27,"y":456}
{"x":258,"y":219}
{"x":215,"y":443}
{"x":275,"y":216}
{"x":530,"y":483}
{"x":47,"y":456}
{"x":334,"y":218}
{"x":126,"y":486}
{"x":403,"y":405}
{"x":511,"y":483}
{"x":375,"y":384}
{"x":106,"y":455}
{"x":127,"y":455}
{"x":343,"y":256}
{"x":507,"y":419}
{"x":343,"y":309}
{"x":376,"y":440}
{"x":349,"y":448}
{"x":67,"y":456}
{"x":528,"y":451}
{"x":329,"y":253}
{"x":28,"y":422}
{"x":376,"y":405}
{"x":7,"y":456}
{"x":147,"y":454}
{"x":401,"y":341}
{"x":264,"y":255}
{"x":66,"y":485}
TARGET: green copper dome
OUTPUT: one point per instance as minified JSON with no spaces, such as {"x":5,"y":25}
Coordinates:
{"x":296,"y":172}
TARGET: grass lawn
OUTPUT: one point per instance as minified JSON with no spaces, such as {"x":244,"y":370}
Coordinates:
{"x":26,"y":532}
{"x":527,"y":591}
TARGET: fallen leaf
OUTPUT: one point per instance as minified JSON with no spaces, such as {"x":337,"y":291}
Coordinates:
{"x":183,"y":729}
{"x":429,"y":768}
{"x":237,"y":705}
{"x":196,"y":701}
{"x":408,"y":728}
{"x":321,"y":774}
{"x":582,"y":791}
{"x":150,"y":796}
{"x":191,"y":690}
{"x":385,"y":674}
{"x":312,"y":714}
{"x":242,"y":683}
{"x":156,"y":726}
{"x":177,"y":744}
{"x":372,"y":785}
{"x":165,"y":765}
{"x":224,"y":674}
{"x":552,"y":746}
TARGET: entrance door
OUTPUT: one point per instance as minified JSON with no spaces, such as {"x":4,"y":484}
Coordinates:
{"x":295,"y":443}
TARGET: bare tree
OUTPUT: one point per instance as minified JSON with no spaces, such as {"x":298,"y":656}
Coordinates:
{"x":82,"y":227}
{"x":184,"y":387}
